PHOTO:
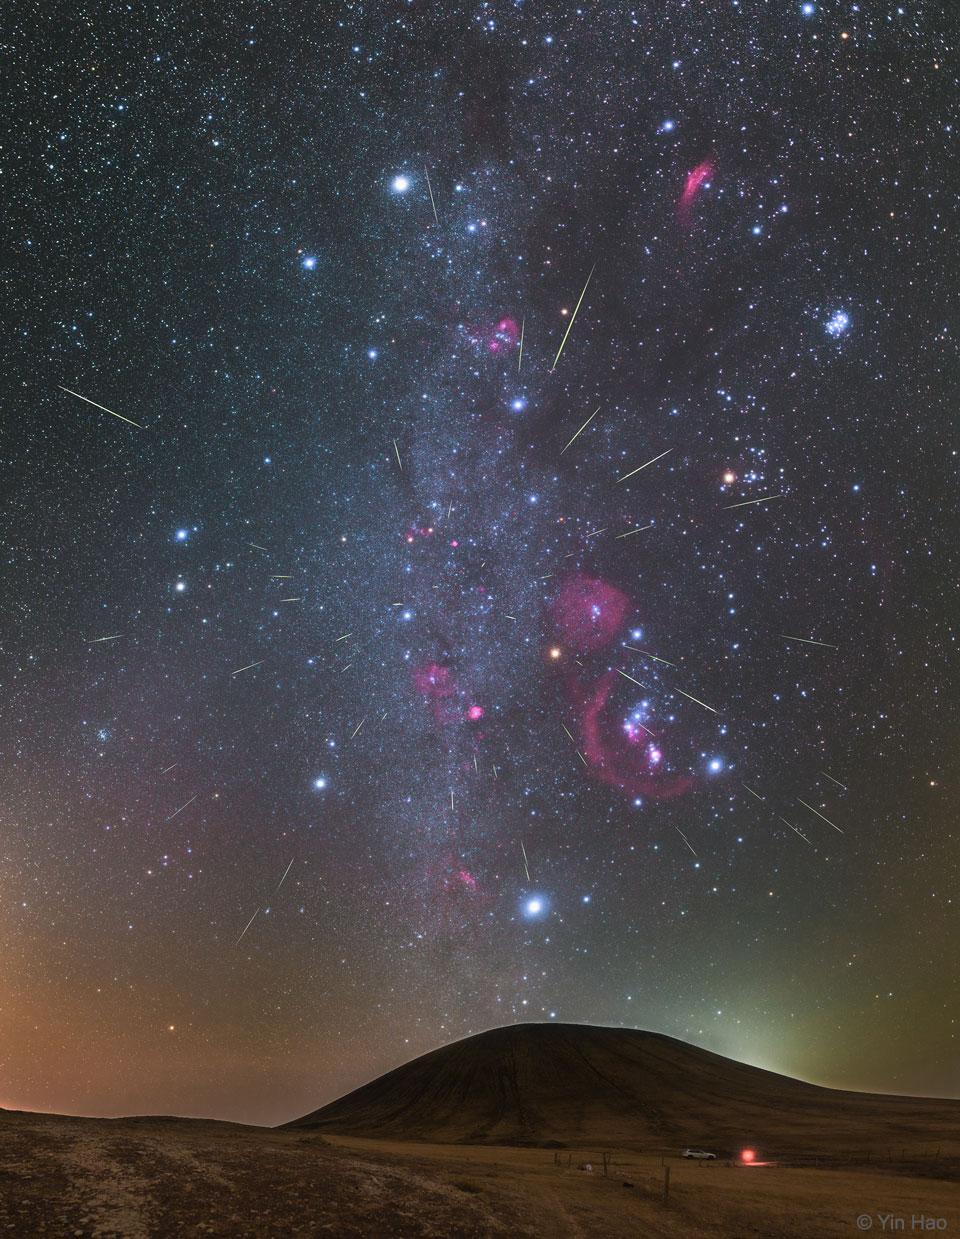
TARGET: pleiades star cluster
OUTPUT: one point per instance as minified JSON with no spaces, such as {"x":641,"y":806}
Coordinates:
{"x":479,"y":540}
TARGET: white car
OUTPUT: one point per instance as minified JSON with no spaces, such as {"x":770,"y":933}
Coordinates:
{"x":701,"y":1155}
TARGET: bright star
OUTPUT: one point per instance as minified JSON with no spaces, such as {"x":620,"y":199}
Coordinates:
{"x":535,"y":906}
{"x":715,"y":765}
{"x":182,"y":535}
{"x":320,"y":783}
{"x":400,"y":184}
{"x":309,"y":263}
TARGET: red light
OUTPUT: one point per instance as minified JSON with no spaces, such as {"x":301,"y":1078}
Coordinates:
{"x":748,"y":1156}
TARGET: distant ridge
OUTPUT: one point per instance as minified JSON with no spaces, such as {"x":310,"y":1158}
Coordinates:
{"x":544,"y":1084}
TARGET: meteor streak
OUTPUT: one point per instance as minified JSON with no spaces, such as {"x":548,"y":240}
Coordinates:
{"x":746,"y":502}
{"x":248,"y":667}
{"x":247,"y":926}
{"x":795,"y":830}
{"x":696,"y":699}
{"x":582,"y":428}
{"x":642,"y":467}
{"x":573,"y":318}
{"x":647,"y":654}
{"x":820,"y":815}
{"x":128,"y":420}
{"x":525,"y":865}
{"x":430,"y":188}
{"x":182,"y":807}
{"x":684,"y":838}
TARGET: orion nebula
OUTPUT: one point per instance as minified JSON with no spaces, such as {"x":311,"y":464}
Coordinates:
{"x":621,"y":750}
{"x":618,"y":751}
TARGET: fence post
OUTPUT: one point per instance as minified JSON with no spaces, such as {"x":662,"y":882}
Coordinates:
{"x":666,"y":1184}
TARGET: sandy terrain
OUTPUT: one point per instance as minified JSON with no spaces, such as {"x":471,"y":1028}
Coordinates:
{"x":491,"y":1136}
{"x":161,"y":1177}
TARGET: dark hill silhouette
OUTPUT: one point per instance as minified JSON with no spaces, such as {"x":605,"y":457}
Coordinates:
{"x":577,"y":1084}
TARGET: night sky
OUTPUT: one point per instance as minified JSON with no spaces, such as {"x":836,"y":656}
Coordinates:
{"x":352,"y":700}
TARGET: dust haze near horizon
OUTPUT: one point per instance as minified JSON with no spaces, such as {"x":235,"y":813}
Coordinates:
{"x":527,"y":595}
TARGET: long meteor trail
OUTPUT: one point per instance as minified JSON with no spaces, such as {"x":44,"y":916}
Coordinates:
{"x":247,"y":926}
{"x":746,"y":503}
{"x":582,"y":428}
{"x":640,"y":469}
{"x":128,"y":420}
{"x":573,"y":318}
{"x":820,"y":815}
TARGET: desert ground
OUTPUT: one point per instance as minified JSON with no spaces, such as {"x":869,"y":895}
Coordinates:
{"x":546,"y":1131}
{"x":161,"y":1177}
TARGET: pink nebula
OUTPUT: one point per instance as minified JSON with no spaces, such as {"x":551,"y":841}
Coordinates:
{"x":696,"y":179}
{"x":474,"y":713}
{"x":588,"y":613}
{"x":433,"y":681}
{"x":454,"y":895}
{"x":437,"y":685}
{"x":504,"y":336}
{"x":613,"y":756}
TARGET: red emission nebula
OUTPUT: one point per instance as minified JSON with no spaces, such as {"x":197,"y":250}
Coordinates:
{"x":588,"y":615}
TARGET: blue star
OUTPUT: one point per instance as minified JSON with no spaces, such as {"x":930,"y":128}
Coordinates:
{"x":400,"y":184}
{"x":309,"y":263}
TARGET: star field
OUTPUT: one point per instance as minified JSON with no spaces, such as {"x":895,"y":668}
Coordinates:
{"x":507,"y":569}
